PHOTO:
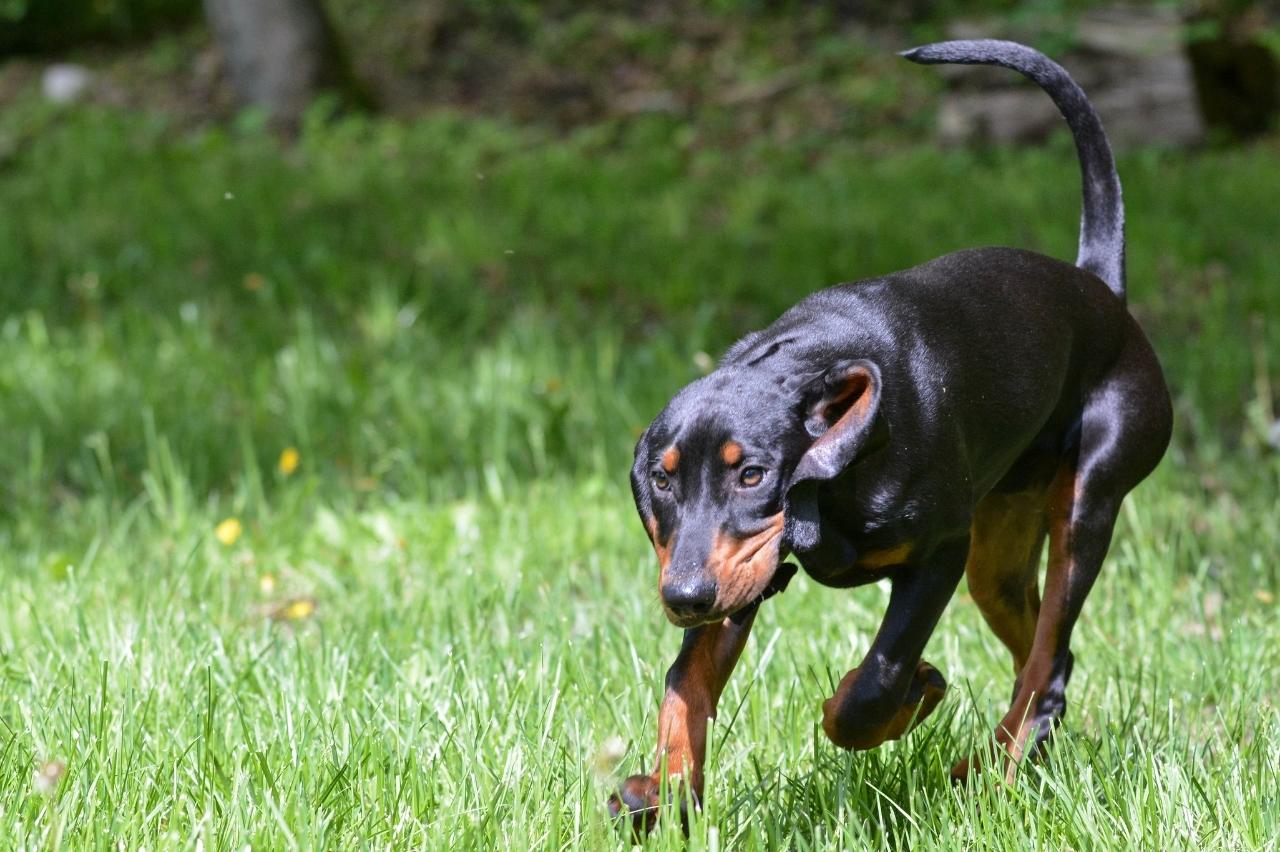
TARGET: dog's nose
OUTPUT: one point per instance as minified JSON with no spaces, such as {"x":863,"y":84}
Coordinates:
{"x":691,"y":598}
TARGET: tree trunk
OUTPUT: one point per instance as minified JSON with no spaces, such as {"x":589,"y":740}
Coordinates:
{"x":280,"y":54}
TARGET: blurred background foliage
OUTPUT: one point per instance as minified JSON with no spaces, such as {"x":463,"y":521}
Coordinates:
{"x":549,"y":216}
{"x":317,"y":407}
{"x":40,"y":26}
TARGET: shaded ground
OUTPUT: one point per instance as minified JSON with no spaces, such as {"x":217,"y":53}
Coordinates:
{"x":799,"y":77}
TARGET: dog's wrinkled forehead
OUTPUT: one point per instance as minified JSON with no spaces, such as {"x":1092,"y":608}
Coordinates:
{"x":739,"y":405}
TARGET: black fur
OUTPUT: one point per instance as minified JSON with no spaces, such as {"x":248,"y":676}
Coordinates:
{"x":882,"y":412}
{"x":1102,"y":214}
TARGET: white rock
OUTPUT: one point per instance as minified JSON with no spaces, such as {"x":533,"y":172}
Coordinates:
{"x":63,"y":83}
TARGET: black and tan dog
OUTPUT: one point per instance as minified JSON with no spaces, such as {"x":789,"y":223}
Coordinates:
{"x":934,"y":423}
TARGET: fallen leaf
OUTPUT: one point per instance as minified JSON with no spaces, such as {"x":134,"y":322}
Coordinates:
{"x":46,"y":778}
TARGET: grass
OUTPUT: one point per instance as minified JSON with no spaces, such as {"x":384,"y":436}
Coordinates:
{"x":436,"y":631}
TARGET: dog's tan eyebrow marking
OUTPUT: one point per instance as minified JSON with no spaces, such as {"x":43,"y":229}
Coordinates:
{"x":670,"y":459}
{"x":731,"y":452}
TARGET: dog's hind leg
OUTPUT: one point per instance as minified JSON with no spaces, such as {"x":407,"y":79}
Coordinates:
{"x":1006,"y":542}
{"x":1125,"y":428}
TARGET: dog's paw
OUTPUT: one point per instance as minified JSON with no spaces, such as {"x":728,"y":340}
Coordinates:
{"x":857,"y":725}
{"x":637,"y":800}
{"x":964,"y":769}
{"x":993,"y":759}
{"x":1014,"y":743}
{"x":930,"y":686}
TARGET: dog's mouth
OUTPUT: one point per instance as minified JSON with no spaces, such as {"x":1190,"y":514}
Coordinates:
{"x":747,"y":570}
{"x":782,"y":574}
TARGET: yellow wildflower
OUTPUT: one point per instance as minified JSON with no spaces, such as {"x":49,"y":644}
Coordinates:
{"x":228,"y":532}
{"x":289,"y":460}
{"x":294,"y":610}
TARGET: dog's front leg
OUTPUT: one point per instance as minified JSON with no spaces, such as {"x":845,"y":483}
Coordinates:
{"x":694,"y":683}
{"x":894,"y":688}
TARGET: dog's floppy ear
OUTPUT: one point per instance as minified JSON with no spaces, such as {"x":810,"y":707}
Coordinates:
{"x":639,"y":475}
{"x":840,"y":414}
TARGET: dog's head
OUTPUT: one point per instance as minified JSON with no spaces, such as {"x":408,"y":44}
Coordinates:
{"x":726,"y":478}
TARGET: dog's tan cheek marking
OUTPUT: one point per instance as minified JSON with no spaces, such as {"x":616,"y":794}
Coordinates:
{"x":671,"y":459}
{"x":743,"y":567}
{"x":660,"y":547}
{"x":731,"y":453}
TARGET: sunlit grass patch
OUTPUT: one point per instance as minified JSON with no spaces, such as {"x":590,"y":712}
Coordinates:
{"x":446,"y":673}
{"x":315,"y":528}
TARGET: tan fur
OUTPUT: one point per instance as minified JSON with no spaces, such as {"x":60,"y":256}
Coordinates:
{"x":731,"y":453}
{"x":895,"y":555}
{"x":744,"y":567}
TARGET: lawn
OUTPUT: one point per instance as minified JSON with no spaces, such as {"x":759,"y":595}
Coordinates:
{"x":440,"y":627}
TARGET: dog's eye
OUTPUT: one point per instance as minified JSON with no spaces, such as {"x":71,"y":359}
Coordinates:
{"x":660,"y":480}
{"x":751,"y":476}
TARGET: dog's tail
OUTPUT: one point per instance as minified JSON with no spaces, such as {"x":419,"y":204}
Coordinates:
{"x":1102,"y":219}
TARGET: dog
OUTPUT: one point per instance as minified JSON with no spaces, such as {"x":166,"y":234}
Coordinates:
{"x":927,"y":425}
